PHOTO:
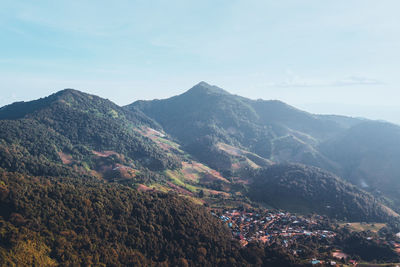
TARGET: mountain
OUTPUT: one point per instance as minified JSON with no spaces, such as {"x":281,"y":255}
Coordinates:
{"x":368,"y":154}
{"x":305,"y":189}
{"x":59,"y":205}
{"x":73,"y":132}
{"x":214,"y":125}
{"x":74,"y":99}
{"x":86,"y":182}
{"x":207,"y":115}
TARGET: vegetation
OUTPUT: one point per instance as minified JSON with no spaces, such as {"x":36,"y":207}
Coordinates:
{"x":307,"y":189}
{"x":33,"y":134}
{"x":70,"y":222}
{"x":358,"y":245}
{"x":60,"y":157}
{"x":207,"y":115}
{"x":364,"y":227}
{"x":367,"y":154}
{"x":361,"y":151}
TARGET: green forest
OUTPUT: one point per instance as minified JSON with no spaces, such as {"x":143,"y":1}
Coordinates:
{"x":308,"y":189}
{"x":84,"y":182}
{"x":70,"y":222}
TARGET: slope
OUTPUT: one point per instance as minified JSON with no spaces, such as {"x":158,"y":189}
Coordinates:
{"x":304,"y":189}
{"x":73,"y":132}
{"x":368,"y":154}
{"x":207,"y":115}
{"x":214,"y":125}
{"x":46,"y":222}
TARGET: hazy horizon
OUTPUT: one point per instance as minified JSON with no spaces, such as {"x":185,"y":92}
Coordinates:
{"x":323,"y":57}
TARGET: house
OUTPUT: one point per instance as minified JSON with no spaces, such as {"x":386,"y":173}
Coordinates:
{"x":353,"y":262}
{"x":315,"y":262}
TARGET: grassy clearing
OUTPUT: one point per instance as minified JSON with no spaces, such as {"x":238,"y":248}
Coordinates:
{"x":378,"y":265}
{"x":160,"y":187}
{"x":252,"y":164}
{"x":194,"y":200}
{"x":233,"y":151}
{"x":359,"y":227}
{"x":178,"y":179}
{"x":170,"y":143}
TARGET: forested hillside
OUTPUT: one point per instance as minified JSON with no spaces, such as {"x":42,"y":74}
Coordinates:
{"x":73,"y":222}
{"x":369,"y":155}
{"x":206,"y":115}
{"x":206,"y":120}
{"x":86,"y":182}
{"x":66,"y":132}
{"x":306,"y":189}
{"x":48,"y":221}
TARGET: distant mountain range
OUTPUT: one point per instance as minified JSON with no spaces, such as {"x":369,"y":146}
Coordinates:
{"x":361,"y":151}
{"x":273,"y":130}
{"x":205,"y":146}
{"x":71,"y":133}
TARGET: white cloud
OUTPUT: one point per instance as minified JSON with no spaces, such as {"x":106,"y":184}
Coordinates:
{"x":357,"y":80}
{"x":294,"y":80}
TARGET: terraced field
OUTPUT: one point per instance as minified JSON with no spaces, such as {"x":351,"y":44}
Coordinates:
{"x":243,"y":158}
{"x":194,"y":180}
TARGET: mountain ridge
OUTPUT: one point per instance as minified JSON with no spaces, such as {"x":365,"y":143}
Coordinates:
{"x":82,"y":176}
{"x":275,"y":131}
{"x":81,"y":123}
{"x":236,"y":121}
{"x":227,"y":139}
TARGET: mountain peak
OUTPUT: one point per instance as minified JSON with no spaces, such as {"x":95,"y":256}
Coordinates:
{"x":203,"y":83}
{"x":205,"y":88}
{"x":71,"y":97}
{"x":69,"y":92}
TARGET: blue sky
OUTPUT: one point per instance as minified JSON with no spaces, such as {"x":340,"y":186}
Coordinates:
{"x":339,"y":57}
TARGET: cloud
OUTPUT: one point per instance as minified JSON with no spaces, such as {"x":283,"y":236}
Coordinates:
{"x":294,"y":80}
{"x":290,"y":83}
{"x":356,"y":80}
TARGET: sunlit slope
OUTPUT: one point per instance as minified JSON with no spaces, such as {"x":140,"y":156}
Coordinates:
{"x":73,"y":132}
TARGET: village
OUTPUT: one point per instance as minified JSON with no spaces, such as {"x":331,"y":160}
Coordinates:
{"x":283,"y":228}
{"x":268,"y":226}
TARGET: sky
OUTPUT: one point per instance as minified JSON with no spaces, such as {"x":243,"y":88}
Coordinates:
{"x":329,"y":57}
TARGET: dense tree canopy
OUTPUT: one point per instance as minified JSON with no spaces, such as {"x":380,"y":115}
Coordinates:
{"x":33,"y":134}
{"x":71,"y":222}
{"x":308,"y":189}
